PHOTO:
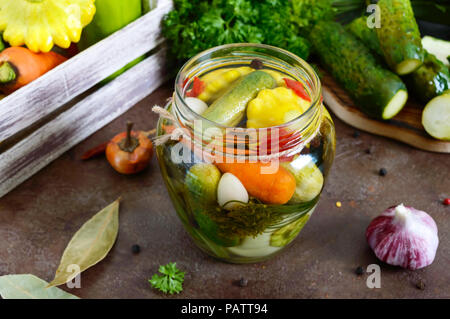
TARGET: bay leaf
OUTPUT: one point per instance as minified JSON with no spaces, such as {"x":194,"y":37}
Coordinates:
{"x":29,"y":287}
{"x":89,"y":245}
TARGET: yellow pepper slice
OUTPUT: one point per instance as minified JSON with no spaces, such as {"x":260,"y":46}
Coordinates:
{"x":39,"y":24}
{"x":273,"y":107}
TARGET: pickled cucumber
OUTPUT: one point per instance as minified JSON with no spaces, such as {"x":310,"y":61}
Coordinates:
{"x":217,"y":81}
{"x":285,"y":235}
{"x":201,"y":182}
{"x":308,"y":179}
{"x":229,"y":109}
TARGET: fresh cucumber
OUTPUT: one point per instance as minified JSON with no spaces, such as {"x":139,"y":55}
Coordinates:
{"x":431,"y":79}
{"x":368,"y":36}
{"x":378,"y":92}
{"x":229,"y":109}
{"x":399,"y":36}
{"x":201,"y":182}
{"x":440,"y":48}
{"x":436,"y":117}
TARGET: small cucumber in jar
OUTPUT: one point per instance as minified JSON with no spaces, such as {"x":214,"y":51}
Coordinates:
{"x":229,"y":109}
{"x":436,"y":117}
{"x":286,"y":234}
{"x":202,"y":181}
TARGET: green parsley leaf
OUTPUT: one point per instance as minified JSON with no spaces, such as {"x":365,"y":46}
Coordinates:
{"x":171,"y":280}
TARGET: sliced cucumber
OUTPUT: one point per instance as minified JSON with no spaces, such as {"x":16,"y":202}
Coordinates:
{"x":285,"y":235}
{"x":440,"y":48}
{"x":436,"y":117}
{"x":395,"y":104}
{"x":408,"y":66}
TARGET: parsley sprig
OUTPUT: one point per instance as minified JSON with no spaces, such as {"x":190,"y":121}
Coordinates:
{"x":171,"y":280}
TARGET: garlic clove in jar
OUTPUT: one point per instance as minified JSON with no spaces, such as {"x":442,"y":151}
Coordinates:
{"x":196,"y":105}
{"x":404,"y":236}
{"x":231,"y":191}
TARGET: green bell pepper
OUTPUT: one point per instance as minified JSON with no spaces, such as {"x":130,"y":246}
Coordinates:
{"x":110,"y":16}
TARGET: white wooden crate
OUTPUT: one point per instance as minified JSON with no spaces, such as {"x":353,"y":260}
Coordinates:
{"x":56,"y":90}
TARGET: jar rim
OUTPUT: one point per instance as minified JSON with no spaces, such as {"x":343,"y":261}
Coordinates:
{"x":181,"y":85}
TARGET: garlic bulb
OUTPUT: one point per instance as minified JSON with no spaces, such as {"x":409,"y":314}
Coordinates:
{"x":404,"y":236}
{"x":231,"y":191}
{"x":196,"y":105}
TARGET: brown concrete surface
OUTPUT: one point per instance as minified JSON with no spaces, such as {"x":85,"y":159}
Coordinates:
{"x":39,"y":217}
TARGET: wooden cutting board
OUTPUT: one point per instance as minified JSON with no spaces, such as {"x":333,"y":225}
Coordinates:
{"x":405,"y":127}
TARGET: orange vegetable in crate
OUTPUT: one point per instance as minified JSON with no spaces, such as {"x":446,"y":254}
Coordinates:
{"x":129,"y":152}
{"x":275,"y":188}
{"x":19,"y":66}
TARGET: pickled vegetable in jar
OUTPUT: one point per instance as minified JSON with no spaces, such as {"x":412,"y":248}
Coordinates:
{"x":248,"y":169}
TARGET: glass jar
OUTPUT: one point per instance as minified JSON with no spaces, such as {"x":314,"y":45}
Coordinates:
{"x":244,"y":193}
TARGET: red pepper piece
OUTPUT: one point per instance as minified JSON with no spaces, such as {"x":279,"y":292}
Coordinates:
{"x":297,"y":87}
{"x":446,"y":201}
{"x":197,"y":88}
{"x":96,"y":151}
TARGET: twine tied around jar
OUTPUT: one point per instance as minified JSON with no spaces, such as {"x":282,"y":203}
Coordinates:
{"x":180,"y":132}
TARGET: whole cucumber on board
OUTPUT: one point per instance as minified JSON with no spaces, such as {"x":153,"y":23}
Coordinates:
{"x":399,"y":36}
{"x":431,"y":79}
{"x":368,"y":36}
{"x":229,"y":109}
{"x":436,"y":117}
{"x":377,"y":91}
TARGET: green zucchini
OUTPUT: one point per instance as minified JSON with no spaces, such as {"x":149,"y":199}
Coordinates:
{"x":399,"y":36}
{"x":436,"y":117}
{"x":378,"y":92}
{"x":431,"y":79}
{"x":229,"y":109}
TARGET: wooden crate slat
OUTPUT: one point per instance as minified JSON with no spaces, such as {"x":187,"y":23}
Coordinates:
{"x":74,"y":125}
{"x":55,"y":88}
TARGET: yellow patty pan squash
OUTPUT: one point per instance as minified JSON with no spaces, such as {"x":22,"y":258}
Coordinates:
{"x":273,"y":107}
{"x":40,"y":24}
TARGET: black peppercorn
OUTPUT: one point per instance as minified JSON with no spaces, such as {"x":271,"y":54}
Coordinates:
{"x":359,"y":271}
{"x":356,"y":134}
{"x":136,"y":249}
{"x":243,"y":282}
{"x":420,"y":285}
{"x":382,"y":172}
{"x":368,"y":151}
{"x":256,"y":64}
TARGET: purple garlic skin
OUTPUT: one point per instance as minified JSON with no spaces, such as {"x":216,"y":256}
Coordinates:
{"x":404,"y":236}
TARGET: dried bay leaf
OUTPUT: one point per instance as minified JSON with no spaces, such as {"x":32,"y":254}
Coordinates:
{"x":29,"y":287}
{"x":89,"y":245}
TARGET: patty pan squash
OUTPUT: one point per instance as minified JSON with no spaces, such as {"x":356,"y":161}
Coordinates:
{"x":40,"y":24}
